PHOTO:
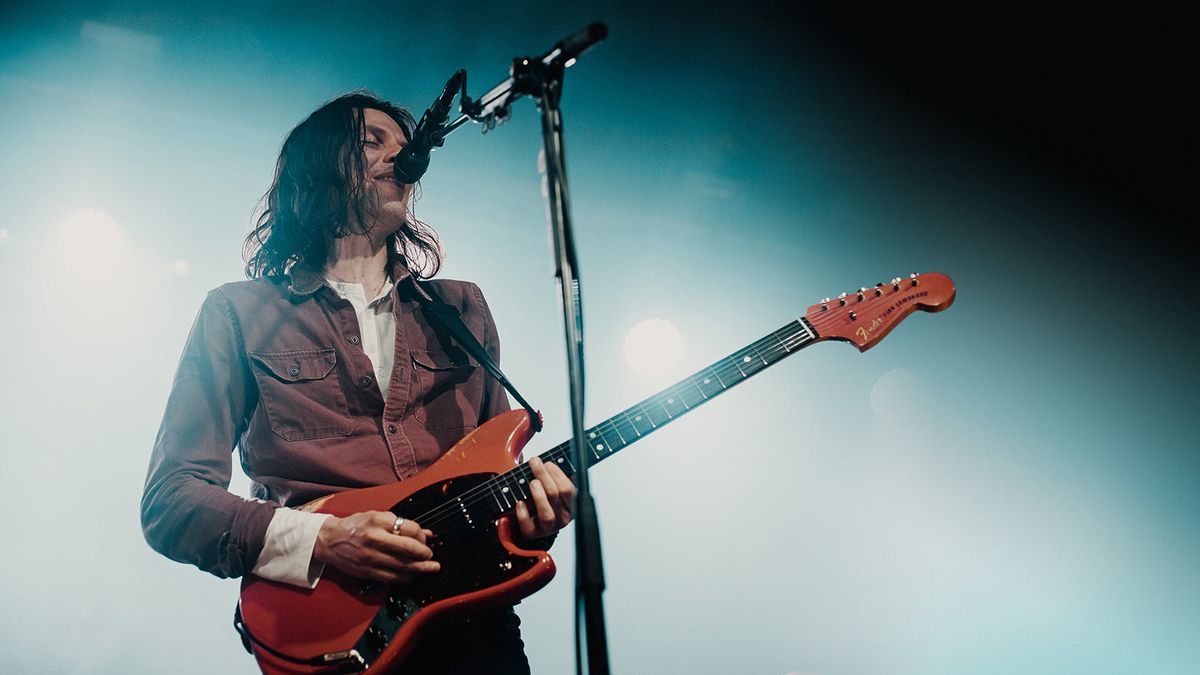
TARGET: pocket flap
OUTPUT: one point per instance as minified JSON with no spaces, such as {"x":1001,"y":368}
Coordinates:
{"x":437,"y":361}
{"x":312,"y":364}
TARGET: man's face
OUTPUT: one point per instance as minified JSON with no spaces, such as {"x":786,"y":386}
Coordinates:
{"x":382,"y":140}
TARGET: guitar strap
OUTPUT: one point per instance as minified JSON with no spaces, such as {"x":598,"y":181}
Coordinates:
{"x":446,"y":315}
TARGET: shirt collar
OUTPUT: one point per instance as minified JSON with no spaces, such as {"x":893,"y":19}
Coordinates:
{"x":303,"y":280}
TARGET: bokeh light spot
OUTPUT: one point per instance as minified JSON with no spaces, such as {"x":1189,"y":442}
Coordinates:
{"x":90,"y":245}
{"x":653,"y":347}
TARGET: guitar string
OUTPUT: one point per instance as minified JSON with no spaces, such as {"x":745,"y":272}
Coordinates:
{"x":788,"y":340}
{"x":786,"y":336}
{"x":783,"y":336}
{"x":473,"y":497}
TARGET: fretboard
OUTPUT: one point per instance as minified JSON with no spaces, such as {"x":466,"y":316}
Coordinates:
{"x":501,"y":493}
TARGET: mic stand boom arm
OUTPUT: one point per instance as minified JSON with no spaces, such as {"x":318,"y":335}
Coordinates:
{"x":494,"y":106}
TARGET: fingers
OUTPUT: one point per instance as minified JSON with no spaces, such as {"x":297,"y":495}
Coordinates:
{"x":524,"y":521}
{"x":551,"y":499}
{"x":408,"y":528}
{"x":542,"y":509}
{"x":375,"y":545}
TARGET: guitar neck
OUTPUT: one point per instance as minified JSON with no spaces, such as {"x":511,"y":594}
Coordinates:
{"x":862,"y":319}
{"x":644,"y":418}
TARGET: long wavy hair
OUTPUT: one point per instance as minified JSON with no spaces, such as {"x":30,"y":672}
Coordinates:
{"x":319,"y":184}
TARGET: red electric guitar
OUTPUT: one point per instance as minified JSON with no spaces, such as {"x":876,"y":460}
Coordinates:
{"x":346,"y":624}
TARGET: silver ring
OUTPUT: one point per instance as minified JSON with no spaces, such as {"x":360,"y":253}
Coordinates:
{"x":396,"y":526}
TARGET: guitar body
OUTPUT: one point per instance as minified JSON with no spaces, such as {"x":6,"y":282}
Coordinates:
{"x":481,"y":566}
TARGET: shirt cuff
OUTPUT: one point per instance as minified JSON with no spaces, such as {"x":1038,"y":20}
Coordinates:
{"x":287,"y":550}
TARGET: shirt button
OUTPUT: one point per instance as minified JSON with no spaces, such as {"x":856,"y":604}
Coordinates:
{"x":365,"y":381}
{"x":353,"y":339}
{"x":294,"y":371}
{"x":392,"y":428}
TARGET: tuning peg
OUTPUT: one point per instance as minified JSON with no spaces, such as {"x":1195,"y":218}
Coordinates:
{"x":825,"y":303}
{"x":842,"y":300}
{"x":861,"y":293}
{"x":913,"y":276}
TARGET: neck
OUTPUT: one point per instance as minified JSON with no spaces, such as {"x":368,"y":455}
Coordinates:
{"x":360,"y":260}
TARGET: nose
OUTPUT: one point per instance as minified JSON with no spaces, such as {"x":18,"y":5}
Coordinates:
{"x":393,"y":149}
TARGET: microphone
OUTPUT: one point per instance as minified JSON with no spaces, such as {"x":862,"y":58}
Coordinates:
{"x":412,"y":162}
{"x":573,"y":46}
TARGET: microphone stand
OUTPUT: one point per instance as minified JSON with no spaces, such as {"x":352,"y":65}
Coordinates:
{"x":545,"y":81}
{"x":542,"y":78}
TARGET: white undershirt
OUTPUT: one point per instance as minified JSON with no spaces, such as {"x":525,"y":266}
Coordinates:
{"x":291,"y":535}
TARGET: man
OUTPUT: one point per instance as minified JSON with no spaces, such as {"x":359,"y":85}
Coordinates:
{"x":324,"y":371}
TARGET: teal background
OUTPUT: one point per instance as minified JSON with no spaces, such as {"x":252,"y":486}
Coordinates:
{"x":1009,"y":486}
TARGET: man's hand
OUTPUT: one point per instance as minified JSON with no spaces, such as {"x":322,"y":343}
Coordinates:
{"x":552,"y":495}
{"x":364,"y":545}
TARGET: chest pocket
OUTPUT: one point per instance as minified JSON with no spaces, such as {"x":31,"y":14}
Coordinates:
{"x":447,"y":392}
{"x":301,"y":394}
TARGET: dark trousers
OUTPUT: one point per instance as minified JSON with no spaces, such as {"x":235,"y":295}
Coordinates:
{"x":487,"y":643}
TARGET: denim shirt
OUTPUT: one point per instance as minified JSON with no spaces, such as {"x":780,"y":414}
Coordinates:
{"x":274,"y":367}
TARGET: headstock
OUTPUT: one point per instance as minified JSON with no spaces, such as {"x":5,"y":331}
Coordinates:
{"x":865,"y":316}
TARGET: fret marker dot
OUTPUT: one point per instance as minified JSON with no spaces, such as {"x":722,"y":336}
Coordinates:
{"x":706,"y":380}
{"x":560,"y":460}
{"x":599,"y":446}
{"x":670,"y":400}
{"x":522,"y":481}
{"x":638,"y":418}
{"x":592,"y":435}
{"x":745,"y":359}
{"x":504,"y":489}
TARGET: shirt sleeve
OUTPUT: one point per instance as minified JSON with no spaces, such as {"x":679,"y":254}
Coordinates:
{"x":287,"y":549}
{"x":188,"y":514}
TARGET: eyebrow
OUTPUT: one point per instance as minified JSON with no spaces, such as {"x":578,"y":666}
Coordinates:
{"x":378,"y":131}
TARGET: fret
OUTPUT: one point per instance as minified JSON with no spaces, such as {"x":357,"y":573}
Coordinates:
{"x":645,"y":414}
{"x":717,"y":376}
{"x":599,"y":443}
{"x":751,"y":362}
{"x":673,"y":403}
{"x":630,"y":420}
{"x":782,"y":343}
{"x":627,"y":435}
{"x":497,"y":493}
{"x":620,"y":435}
{"x":563,"y":459}
{"x":758,"y":353}
{"x":519,"y":480}
{"x":662,"y":402}
{"x":502,"y":492}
